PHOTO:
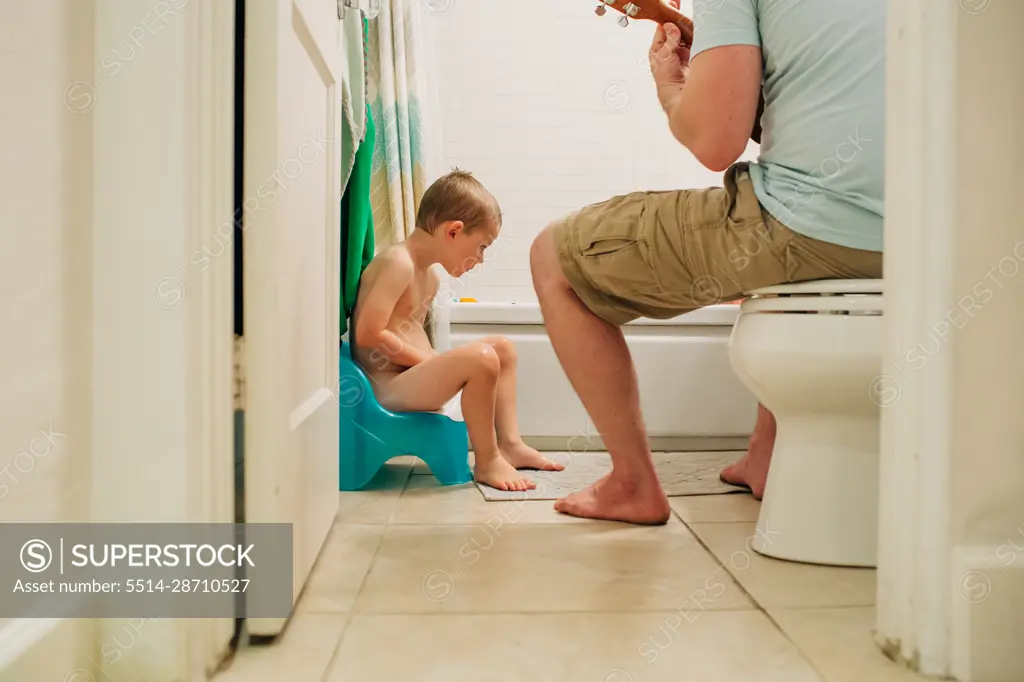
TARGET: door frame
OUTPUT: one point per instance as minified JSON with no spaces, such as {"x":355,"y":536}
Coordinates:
{"x":163,"y":299}
{"x":914,"y":599}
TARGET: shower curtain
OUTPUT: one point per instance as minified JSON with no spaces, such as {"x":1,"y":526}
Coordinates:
{"x":401,"y":84}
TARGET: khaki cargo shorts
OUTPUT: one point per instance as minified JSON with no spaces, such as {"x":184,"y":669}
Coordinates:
{"x":661,"y":254}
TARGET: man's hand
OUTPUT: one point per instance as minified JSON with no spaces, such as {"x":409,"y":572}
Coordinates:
{"x":669,"y":58}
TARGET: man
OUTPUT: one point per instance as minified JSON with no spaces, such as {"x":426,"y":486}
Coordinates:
{"x":810,"y":208}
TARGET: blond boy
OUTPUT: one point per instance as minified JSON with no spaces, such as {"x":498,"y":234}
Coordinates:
{"x":457,"y":220}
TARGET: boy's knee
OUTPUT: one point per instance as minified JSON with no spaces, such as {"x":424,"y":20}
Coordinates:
{"x":505,"y":350}
{"x":484,"y":359}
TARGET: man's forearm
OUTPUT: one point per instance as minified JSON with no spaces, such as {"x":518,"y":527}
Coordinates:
{"x":680,"y":123}
{"x":683,"y":128}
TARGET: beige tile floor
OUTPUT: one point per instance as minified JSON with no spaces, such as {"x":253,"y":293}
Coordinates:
{"x":423,"y":583}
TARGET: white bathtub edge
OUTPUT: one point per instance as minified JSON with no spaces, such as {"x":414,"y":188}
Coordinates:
{"x":528,"y":313}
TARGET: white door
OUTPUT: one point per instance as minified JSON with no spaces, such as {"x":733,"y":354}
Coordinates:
{"x":291,"y":272}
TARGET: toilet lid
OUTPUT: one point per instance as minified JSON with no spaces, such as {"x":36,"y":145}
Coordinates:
{"x":853,"y":296}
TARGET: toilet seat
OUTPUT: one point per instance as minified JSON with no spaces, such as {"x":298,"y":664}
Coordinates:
{"x":827,"y":296}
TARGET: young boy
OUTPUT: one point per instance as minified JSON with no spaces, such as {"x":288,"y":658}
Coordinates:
{"x":457,"y":220}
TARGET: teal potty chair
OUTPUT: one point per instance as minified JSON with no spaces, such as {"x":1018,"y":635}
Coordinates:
{"x":370,"y":435}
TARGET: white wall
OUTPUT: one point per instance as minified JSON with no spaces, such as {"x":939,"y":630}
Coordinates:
{"x":552,"y":109}
{"x":44,"y":272}
{"x":952,"y":532}
{"x":45,"y":257}
{"x":986,"y":329}
{"x":988,"y":433}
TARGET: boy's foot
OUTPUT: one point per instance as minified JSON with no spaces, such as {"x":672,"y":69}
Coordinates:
{"x":499,"y":474}
{"x":522,"y":456}
{"x":611,"y":499}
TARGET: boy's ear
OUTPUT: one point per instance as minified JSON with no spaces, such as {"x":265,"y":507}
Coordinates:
{"x":452,"y":228}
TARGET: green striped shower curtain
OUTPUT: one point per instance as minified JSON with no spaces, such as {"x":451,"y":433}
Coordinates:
{"x":401,"y":91}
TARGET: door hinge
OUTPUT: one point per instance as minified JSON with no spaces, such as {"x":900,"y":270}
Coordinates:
{"x":238,"y":363}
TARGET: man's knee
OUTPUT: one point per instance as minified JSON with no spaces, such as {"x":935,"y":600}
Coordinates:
{"x":544,"y":258}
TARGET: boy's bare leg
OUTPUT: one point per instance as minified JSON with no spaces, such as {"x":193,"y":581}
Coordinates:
{"x":426,"y":387}
{"x":752,"y":470}
{"x":596,"y":359}
{"x":510,"y":441}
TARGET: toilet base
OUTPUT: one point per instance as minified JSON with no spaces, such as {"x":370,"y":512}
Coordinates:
{"x":821,"y":500}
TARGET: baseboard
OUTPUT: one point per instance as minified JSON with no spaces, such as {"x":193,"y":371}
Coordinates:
{"x":988,"y":590}
{"x":581,"y":443}
{"x":47,"y":649}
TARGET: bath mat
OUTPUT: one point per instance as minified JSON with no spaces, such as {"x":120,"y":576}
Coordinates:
{"x":680,"y":473}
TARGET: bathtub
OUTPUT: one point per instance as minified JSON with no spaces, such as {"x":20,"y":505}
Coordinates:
{"x":690,"y":397}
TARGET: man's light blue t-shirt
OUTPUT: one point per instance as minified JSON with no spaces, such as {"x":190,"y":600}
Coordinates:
{"x":821,"y":167}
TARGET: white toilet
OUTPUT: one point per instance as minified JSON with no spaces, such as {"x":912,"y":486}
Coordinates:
{"x":812,"y":353}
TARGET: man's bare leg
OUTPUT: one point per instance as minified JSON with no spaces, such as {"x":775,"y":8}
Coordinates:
{"x":474,"y":370}
{"x":596,"y":359}
{"x":752,"y":470}
{"x":510,"y":442}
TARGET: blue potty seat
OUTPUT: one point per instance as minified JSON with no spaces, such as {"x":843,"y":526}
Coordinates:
{"x":370,"y":434}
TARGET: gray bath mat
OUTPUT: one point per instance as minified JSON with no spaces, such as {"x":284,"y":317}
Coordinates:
{"x":680,"y":473}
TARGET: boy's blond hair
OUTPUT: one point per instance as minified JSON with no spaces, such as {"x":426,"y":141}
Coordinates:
{"x":457,"y":196}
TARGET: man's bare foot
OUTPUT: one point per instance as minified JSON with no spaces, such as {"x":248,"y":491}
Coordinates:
{"x":752,"y":470}
{"x":498,"y":473}
{"x":613,"y":499}
{"x":522,"y":456}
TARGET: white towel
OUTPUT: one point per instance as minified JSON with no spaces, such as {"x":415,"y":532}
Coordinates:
{"x":355,"y":72}
{"x":352,"y":91}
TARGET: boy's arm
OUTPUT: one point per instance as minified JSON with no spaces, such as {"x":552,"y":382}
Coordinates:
{"x":378,"y":306}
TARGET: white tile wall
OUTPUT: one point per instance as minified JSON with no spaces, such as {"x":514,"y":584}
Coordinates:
{"x":551,"y":110}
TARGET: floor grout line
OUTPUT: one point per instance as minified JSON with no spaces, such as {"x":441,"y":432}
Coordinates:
{"x":393,"y":494}
{"x":566,"y":612}
{"x":362,"y":583}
